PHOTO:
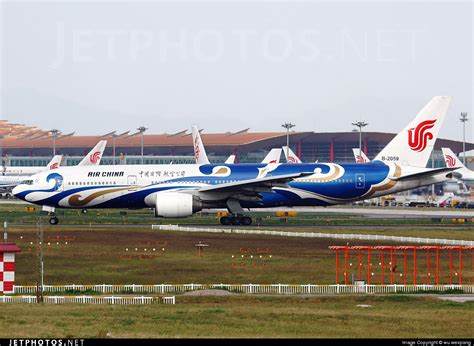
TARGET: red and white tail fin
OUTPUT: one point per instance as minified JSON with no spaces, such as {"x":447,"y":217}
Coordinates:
{"x":290,"y":155}
{"x":199,"y":150}
{"x":413,"y":146}
{"x":451,"y":159}
{"x":273,"y":156}
{"x":94,"y":156}
{"x":55,"y":162}
{"x":360,"y":157}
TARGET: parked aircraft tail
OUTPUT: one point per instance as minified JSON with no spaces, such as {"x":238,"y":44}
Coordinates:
{"x":273,"y":156}
{"x":55,"y":162}
{"x":413,"y":145}
{"x":94,"y":156}
{"x":360,"y":157}
{"x":199,"y":151}
{"x":290,"y":155}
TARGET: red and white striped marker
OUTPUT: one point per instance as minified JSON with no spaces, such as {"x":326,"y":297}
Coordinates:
{"x":7,"y":266}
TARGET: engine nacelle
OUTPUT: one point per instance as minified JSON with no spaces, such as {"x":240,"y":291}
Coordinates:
{"x":176,"y":204}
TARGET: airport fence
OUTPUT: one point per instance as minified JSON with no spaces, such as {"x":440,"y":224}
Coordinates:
{"x":341,"y":236}
{"x":90,"y":300}
{"x":247,"y":289}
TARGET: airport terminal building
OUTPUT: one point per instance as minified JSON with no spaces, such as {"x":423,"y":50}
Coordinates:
{"x":22,"y":145}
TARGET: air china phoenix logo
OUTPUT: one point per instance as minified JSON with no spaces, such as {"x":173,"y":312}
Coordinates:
{"x":54,"y":166}
{"x":291,"y":159}
{"x":95,"y":157}
{"x":360,"y":159}
{"x":196,"y":150}
{"x":450,"y":161}
{"x":418,"y":137}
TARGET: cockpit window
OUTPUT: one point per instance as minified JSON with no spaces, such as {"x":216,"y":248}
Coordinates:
{"x":27,"y":182}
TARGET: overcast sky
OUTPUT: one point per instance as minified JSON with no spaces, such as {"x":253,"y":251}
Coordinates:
{"x":96,"y":67}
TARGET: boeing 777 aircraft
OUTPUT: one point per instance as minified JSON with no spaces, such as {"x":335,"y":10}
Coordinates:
{"x":181,"y":190}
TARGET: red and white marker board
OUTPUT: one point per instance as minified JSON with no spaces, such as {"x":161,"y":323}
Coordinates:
{"x":7,"y":266}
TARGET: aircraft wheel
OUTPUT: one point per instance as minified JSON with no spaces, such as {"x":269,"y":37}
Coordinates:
{"x":84,"y":211}
{"x":236,"y":221}
{"x":53,"y":221}
{"x":225,"y":221}
{"x":246,"y":221}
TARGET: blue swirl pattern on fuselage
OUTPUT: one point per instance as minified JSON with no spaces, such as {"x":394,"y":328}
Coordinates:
{"x":58,"y":181}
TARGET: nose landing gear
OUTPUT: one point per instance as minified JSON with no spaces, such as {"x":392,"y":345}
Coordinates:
{"x":53,"y":220}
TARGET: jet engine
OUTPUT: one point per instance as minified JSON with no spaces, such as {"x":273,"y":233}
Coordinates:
{"x":176,"y":204}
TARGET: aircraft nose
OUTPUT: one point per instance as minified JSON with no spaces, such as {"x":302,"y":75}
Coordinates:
{"x":16,"y":190}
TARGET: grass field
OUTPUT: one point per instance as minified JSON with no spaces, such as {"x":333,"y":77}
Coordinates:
{"x":16,"y":213}
{"x":242,"y":316}
{"x":96,"y":256}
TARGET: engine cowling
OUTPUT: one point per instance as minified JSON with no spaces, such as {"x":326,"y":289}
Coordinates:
{"x":176,"y":204}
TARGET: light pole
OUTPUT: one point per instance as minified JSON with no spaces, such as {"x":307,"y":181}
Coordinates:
{"x":463,"y":120}
{"x":54,"y":133}
{"x":360,"y":125}
{"x":142,"y":130}
{"x":288,"y":126}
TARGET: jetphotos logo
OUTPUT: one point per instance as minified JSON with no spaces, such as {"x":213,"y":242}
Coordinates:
{"x":450,"y":161}
{"x":95,"y":157}
{"x":419,"y":136}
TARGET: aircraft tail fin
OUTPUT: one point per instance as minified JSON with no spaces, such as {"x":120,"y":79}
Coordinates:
{"x":413,"y":146}
{"x":230,"y":160}
{"x":360,"y":156}
{"x":94,"y":156}
{"x":55,"y":162}
{"x":199,"y":150}
{"x":451,"y":159}
{"x":290,"y":155}
{"x":273,"y":156}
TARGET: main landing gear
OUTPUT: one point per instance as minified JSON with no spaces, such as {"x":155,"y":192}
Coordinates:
{"x":53,"y":220}
{"x":236,"y":220}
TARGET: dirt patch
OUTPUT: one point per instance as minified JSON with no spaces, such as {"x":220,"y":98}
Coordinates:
{"x":208,"y":293}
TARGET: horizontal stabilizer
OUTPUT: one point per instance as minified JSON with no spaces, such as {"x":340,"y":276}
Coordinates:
{"x":425,"y":174}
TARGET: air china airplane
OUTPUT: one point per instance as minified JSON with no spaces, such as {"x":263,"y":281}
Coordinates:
{"x":452,"y":160}
{"x":181,"y":190}
{"x":12,"y":176}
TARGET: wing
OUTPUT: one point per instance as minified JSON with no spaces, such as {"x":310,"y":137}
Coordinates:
{"x":256,"y":184}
